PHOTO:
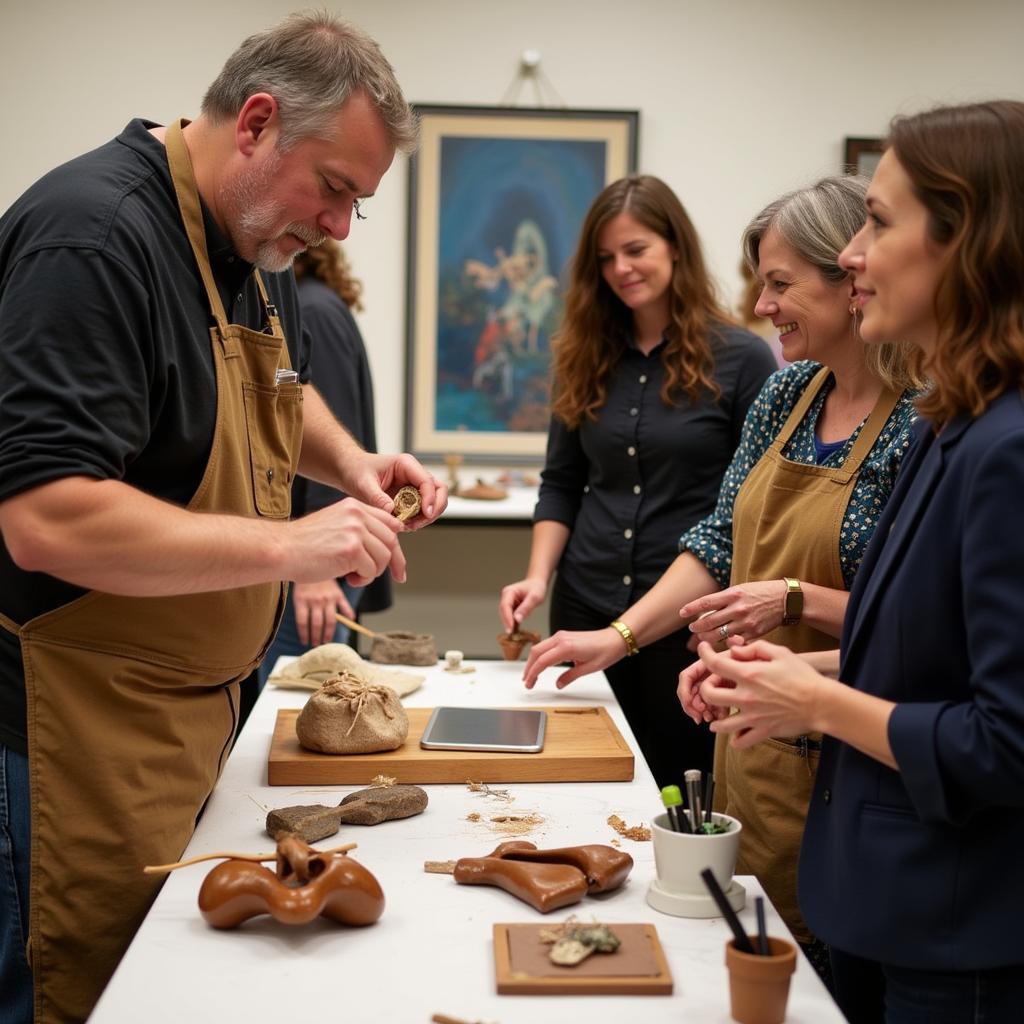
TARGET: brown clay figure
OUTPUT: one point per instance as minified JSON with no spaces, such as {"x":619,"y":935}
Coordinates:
{"x":307,"y":885}
{"x":604,"y":867}
{"x":512,"y":644}
{"x":545,"y":887}
{"x":481,"y":491}
{"x":363,"y":807}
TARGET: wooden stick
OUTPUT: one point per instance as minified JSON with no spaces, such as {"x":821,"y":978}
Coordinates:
{"x":160,"y":869}
{"x":352,"y":624}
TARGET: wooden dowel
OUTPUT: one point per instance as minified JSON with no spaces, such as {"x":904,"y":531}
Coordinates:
{"x":352,"y":624}
{"x":259,"y":858}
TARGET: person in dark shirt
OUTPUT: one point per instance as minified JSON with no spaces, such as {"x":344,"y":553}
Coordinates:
{"x":341,"y":372}
{"x":154,"y":409}
{"x":652,"y":383}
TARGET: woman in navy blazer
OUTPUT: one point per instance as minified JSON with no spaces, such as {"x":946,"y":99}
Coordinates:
{"x":909,"y":866}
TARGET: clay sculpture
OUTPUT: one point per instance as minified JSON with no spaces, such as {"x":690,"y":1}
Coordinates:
{"x":547,"y":879}
{"x":364,"y":807}
{"x":312,"y":669}
{"x":398,"y":648}
{"x":604,"y":867}
{"x":307,"y":885}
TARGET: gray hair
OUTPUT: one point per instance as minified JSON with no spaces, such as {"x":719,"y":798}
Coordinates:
{"x":311,"y":63}
{"x":817,"y":221}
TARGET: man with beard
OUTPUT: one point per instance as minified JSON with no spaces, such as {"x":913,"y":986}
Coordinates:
{"x":154,"y":408}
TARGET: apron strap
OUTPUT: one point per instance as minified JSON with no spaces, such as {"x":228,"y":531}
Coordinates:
{"x":817,"y":382}
{"x":185,"y":188}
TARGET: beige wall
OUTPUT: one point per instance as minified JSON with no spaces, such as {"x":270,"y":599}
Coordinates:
{"x":739,"y":99}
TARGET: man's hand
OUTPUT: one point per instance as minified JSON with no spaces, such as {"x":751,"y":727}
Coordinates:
{"x":315,"y":605}
{"x":375,"y":478}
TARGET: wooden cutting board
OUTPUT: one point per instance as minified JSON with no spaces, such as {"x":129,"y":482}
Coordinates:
{"x":582,"y":744}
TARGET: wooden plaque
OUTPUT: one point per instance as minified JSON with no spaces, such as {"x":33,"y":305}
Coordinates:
{"x":582,"y":744}
{"x":637,"y":968}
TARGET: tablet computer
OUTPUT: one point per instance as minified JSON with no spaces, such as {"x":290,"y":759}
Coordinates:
{"x":505,"y":730}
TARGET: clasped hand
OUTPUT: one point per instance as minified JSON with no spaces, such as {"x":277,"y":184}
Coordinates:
{"x":775,"y":692}
{"x":747,"y":610}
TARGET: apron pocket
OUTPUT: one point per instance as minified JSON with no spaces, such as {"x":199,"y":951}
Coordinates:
{"x":273,"y":420}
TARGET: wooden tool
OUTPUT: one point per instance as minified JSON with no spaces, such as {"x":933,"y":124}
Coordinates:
{"x":352,"y":624}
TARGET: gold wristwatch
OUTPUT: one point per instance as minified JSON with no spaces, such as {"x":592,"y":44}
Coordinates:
{"x":794,"y":606}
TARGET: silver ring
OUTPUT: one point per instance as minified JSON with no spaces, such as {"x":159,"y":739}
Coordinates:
{"x":723,"y":631}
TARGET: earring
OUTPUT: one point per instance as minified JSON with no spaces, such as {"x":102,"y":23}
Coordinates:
{"x":853,"y":309}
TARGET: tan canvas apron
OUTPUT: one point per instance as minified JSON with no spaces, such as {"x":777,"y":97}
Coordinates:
{"x":786,"y":522}
{"x":132,"y":701}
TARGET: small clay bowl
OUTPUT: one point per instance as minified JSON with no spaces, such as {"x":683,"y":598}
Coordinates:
{"x":512,"y":644}
{"x":397,"y":648}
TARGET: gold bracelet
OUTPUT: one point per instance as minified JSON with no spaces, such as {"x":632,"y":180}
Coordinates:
{"x":632,"y":647}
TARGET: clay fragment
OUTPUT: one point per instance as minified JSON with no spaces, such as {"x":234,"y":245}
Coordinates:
{"x":399,"y":648}
{"x":363,"y":807}
{"x":545,"y":887}
{"x":312,"y":822}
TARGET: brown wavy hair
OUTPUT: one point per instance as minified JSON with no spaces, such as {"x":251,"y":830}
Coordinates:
{"x":597,"y":325}
{"x":328,"y":263}
{"x":966,"y":164}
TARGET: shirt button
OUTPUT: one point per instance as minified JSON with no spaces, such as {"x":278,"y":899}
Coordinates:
{"x":627,"y":534}
{"x":643,"y":378}
{"x":239,"y":296}
{"x":827,"y":796}
{"x":631,"y":450}
{"x":586,"y":488}
{"x":636,"y":488}
{"x":627,"y":580}
{"x":633,"y":411}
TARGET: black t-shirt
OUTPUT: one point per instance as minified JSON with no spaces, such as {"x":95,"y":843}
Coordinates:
{"x":106,"y":368}
{"x":630,"y":483}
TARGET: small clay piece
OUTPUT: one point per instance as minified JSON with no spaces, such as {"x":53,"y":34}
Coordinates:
{"x":364,"y":807}
{"x":483,"y":492}
{"x":307,"y":884}
{"x":349,"y":716}
{"x":512,"y":644}
{"x":374,"y":805}
{"x":569,"y":952}
{"x":638,"y":833}
{"x":312,"y":823}
{"x":407,"y":503}
{"x":312,"y":669}
{"x":396,"y":648}
{"x":572,"y":942}
{"x":545,"y":887}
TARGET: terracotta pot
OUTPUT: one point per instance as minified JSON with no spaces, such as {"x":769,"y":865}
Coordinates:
{"x":759,"y":985}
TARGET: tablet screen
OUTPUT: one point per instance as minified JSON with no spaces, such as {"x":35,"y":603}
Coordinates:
{"x":500,"y":729}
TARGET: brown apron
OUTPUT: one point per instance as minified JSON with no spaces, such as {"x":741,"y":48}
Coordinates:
{"x":132,"y":702}
{"x":786,"y":522}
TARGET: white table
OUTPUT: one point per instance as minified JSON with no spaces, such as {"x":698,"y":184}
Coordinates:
{"x":431,"y":951}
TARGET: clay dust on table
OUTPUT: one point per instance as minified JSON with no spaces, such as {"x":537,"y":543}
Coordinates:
{"x":638,"y":833}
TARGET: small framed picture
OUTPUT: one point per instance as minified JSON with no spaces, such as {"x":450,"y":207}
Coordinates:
{"x":862,"y":154}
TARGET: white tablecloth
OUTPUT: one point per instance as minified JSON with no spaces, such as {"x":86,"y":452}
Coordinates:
{"x":431,"y":951}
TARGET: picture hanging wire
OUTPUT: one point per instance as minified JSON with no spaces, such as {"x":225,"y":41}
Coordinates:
{"x":530,"y":71}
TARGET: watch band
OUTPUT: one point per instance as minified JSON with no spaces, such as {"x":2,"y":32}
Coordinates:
{"x":632,"y":647}
{"x":793,"y":609}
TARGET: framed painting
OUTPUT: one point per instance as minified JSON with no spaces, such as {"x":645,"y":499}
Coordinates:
{"x":497,"y":196}
{"x":861,"y":155}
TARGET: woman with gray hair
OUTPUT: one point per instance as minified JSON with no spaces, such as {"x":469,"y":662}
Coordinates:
{"x":816,"y":463}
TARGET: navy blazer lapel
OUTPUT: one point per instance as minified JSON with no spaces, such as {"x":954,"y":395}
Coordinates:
{"x":915,"y":485}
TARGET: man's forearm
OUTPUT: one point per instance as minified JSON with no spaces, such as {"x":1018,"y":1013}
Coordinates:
{"x":106,"y":535}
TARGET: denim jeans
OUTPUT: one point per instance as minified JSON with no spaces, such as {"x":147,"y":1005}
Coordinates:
{"x":287,"y":639}
{"x":15,"y":977}
{"x":873,"y":993}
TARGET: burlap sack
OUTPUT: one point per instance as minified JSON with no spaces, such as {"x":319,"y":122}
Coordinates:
{"x":350,"y":716}
{"x":317,"y":665}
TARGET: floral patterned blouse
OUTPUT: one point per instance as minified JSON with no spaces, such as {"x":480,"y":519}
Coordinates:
{"x":711,"y":539}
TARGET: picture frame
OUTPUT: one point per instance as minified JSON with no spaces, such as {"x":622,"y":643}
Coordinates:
{"x":497,"y":196}
{"x":861,"y":154}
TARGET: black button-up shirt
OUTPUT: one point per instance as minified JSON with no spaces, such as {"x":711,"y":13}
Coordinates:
{"x":629,"y":484}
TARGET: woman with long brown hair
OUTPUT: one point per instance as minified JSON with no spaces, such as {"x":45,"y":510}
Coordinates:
{"x":917,"y":818}
{"x":652,"y":381}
